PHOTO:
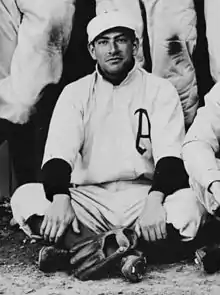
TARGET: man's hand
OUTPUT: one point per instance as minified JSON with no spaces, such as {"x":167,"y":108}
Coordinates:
{"x":58,"y":216}
{"x":215,"y":190}
{"x":152,"y":220}
{"x":214,"y":203}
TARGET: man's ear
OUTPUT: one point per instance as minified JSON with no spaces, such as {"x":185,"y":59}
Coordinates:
{"x":91,"y":49}
{"x":135,"y":46}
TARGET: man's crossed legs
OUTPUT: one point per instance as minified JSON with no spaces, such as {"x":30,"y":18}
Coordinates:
{"x":101,"y":209}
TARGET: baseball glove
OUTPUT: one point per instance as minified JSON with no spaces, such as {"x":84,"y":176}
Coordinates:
{"x":95,"y":256}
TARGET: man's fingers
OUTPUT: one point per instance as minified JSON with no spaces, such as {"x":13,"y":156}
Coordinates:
{"x":144,"y":233}
{"x":43,"y":225}
{"x":53,"y":231}
{"x":152,"y":234}
{"x":137,"y":229}
{"x":60,"y":231}
{"x":47,"y":230}
{"x":75,"y":226}
{"x":158,"y":234}
{"x":163,"y":230}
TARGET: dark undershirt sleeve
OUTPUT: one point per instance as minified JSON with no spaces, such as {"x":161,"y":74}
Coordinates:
{"x":56,"y":176}
{"x":170,"y":175}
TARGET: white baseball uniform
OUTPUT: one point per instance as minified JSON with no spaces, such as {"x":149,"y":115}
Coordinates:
{"x":201,"y":149}
{"x":33,"y":37}
{"x":212,"y":8}
{"x":112,"y":136}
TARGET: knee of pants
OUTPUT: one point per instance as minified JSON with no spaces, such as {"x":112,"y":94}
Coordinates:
{"x":60,"y":9}
{"x":27,"y":200}
{"x":185,"y":212}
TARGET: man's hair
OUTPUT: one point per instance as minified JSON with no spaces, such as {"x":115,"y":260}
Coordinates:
{"x":126,"y":31}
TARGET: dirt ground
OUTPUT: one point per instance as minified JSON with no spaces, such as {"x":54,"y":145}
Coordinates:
{"x":19,"y":273}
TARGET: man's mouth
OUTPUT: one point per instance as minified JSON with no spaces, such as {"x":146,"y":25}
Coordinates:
{"x":114,"y":59}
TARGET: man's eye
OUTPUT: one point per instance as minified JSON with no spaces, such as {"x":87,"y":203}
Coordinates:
{"x":102,"y":42}
{"x":122,"y":40}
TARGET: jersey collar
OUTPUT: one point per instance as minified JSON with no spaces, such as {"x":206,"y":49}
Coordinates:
{"x":130,"y":76}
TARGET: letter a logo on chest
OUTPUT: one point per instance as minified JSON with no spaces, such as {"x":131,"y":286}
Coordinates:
{"x":143,"y":130}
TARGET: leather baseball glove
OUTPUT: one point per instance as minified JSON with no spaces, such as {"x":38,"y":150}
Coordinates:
{"x":95,"y":256}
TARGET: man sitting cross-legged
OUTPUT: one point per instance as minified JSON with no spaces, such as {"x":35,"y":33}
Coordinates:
{"x":201,"y":157}
{"x":112,"y":161}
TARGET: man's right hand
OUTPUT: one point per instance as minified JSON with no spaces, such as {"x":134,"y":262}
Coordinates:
{"x":58,"y":216}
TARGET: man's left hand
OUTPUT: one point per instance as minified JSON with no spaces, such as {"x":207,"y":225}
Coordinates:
{"x":152,"y":221}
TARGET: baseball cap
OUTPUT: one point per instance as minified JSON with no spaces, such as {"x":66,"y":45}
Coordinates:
{"x":109,"y":20}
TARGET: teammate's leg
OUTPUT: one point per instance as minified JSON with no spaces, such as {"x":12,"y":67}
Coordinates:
{"x":172,"y":36}
{"x":185,"y":213}
{"x":212,"y":22}
{"x":9,"y":25}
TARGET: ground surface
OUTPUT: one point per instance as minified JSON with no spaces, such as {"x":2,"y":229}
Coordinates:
{"x":19,"y":273}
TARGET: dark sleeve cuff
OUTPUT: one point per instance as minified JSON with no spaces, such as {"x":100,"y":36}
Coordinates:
{"x":169,"y":176}
{"x":56,"y":175}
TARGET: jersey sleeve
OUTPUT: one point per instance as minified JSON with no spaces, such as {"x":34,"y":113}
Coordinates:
{"x":201,"y":144}
{"x":167,"y":123}
{"x":65,"y":137}
{"x":66,"y":132}
{"x":167,"y":135}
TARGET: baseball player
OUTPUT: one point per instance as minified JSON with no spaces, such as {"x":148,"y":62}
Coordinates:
{"x":169,"y":35}
{"x":113,"y":153}
{"x":201,"y":158}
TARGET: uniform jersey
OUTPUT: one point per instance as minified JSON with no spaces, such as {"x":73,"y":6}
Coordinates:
{"x":201,"y":144}
{"x":109,"y":133}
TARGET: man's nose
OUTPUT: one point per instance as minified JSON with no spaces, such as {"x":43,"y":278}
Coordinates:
{"x":113,"y":47}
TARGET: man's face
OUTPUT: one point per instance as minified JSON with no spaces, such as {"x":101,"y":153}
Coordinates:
{"x":114,"y":51}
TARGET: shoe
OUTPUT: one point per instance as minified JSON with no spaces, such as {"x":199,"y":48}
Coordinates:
{"x":134,"y":267}
{"x":208,"y":258}
{"x":53,"y":259}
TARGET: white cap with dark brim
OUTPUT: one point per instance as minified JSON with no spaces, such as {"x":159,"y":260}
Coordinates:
{"x":109,"y":20}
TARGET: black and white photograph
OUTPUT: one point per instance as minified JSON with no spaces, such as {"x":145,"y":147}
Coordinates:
{"x":109,"y":147}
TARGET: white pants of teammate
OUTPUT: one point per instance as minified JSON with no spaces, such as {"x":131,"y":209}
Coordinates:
{"x":117,"y":204}
{"x":212,"y":9}
{"x":172,"y":36}
{"x":203,"y":195}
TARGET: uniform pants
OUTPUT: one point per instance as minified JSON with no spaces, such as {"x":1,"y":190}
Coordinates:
{"x":203,"y":195}
{"x":103,"y":207}
{"x":172,"y":36}
{"x":212,"y":8}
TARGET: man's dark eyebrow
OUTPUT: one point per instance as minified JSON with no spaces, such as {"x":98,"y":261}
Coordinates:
{"x":121,"y":35}
{"x":103,"y":37}
{"x":117,"y":36}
